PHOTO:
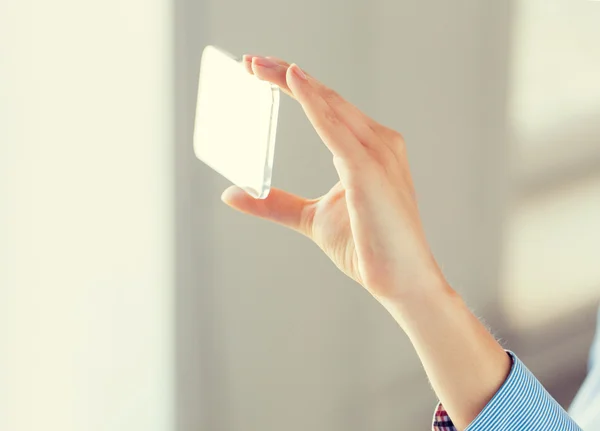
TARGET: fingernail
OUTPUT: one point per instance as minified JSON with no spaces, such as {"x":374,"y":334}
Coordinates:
{"x":264,"y":62}
{"x":229,"y":192}
{"x":296,"y":69}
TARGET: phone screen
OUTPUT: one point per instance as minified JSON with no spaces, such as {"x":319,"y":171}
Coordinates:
{"x":236,"y":122}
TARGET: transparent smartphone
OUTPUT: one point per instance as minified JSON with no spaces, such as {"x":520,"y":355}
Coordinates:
{"x":236,"y":121}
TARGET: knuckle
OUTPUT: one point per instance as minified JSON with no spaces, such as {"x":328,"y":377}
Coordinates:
{"x":329,"y":95}
{"x":389,"y":135}
{"x":384,"y":157}
{"x":394,"y":137}
{"x":331,"y":117}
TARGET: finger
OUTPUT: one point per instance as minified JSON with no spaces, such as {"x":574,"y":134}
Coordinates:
{"x":269,"y":70}
{"x":274,"y":70}
{"x":247,"y":61}
{"x":359,"y":123}
{"x":280,"y":61}
{"x":280,"y":207}
{"x":326,"y":121}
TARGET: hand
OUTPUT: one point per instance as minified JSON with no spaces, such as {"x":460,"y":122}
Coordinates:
{"x":368,"y":223}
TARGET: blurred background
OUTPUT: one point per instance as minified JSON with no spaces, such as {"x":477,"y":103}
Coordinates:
{"x":132,"y":298}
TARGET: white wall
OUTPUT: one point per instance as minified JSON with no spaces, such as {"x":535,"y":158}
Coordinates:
{"x":86,"y":226}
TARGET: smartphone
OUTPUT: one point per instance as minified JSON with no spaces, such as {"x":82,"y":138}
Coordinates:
{"x":236,"y":122}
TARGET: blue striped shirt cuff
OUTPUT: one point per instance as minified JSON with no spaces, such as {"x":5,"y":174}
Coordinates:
{"x":521,"y":403}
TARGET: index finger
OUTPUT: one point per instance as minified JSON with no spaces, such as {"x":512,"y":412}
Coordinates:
{"x":333,"y":131}
{"x":275,"y":70}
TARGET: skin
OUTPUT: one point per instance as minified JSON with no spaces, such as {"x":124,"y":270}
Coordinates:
{"x":369,"y":226}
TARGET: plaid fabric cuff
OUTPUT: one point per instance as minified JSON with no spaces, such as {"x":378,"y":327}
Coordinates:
{"x":521,"y":403}
{"x":441,"y":420}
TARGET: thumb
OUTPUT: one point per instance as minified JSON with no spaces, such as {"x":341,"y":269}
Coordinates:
{"x":280,"y":207}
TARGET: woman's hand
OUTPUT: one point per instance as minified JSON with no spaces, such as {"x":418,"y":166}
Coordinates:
{"x":368,"y":223}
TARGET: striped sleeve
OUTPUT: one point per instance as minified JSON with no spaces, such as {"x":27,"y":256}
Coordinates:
{"x":521,"y":403}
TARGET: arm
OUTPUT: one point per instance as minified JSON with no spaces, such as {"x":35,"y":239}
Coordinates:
{"x":369,"y":225}
{"x":480,"y":386}
{"x":464,"y":363}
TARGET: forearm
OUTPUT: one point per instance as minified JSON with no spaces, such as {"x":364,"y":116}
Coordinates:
{"x":463,"y":361}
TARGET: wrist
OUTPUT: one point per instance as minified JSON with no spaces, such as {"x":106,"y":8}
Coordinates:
{"x":424,"y":297}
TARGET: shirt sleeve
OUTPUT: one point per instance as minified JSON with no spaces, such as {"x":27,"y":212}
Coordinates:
{"x":520,"y":404}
